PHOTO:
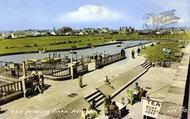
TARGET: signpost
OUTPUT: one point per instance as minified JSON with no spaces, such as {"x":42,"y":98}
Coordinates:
{"x":150,"y":108}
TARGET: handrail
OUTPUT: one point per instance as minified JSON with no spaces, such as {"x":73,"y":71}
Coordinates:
{"x":10,"y":88}
{"x":109,"y":59}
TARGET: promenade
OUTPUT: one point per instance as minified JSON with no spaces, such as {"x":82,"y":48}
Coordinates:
{"x":61,"y":93}
{"x":166,"y":84}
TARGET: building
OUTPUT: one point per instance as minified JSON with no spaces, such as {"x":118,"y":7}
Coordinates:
{"x":65,"y":30}
{"x":125,"y":29}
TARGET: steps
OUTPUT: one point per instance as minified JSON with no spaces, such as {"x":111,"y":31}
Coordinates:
{"x":146,"y":65}
{"x":97,"y":96}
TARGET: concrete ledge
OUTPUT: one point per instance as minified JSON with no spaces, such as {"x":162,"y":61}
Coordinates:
{"x":57,"y":78}
{"x":126,"y":85}
{"x":11,"y":97}
{"x":121,"y":82}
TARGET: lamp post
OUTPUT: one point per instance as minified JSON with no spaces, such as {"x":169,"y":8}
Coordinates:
{"x":92,"y":47}
{"x":71,"y":67}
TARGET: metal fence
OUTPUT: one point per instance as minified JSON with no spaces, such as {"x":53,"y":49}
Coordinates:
{"x":109,"y":59}
{"x":80,"y":69}
{"x":60,"y":72}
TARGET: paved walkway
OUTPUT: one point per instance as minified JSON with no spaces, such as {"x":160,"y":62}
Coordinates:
{"x":173,"y":102}
{"x":121,"y":81}
{"x":56,"y":96}
{"x":166,"y":84}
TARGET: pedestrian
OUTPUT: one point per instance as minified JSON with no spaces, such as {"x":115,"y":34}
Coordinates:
{"x":107,"y":81}
{"x":37,"y":86}
{"x":41,"y":79}
{"x":138,"y":51}
{"x":100,"y":57}
{"x":144,"y":93}
{"x":140,"y":95}
{"x":114,"y":111}
{"x":136,"y":93}
{"x":96,"y":57}
{"x":93,"y":106}
{"x":80,"y":82}
{"x":136,"y":86}
{"x":122,"y":52}
{"x":133,"y":53}
{"x":107,"y":103}
{"x":130,"y":96}
{"x":35,"y":83}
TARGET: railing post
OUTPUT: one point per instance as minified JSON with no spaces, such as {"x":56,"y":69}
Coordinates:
{"x":24,"y":69}
{"x":23,"y":80}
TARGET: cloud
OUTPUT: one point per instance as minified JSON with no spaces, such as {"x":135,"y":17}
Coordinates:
{"x":90,"y":13}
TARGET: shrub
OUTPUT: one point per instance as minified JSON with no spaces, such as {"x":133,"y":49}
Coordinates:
{"x":11,"y":47}
{"x":74,"y":41}
{"x":70,"y":42}
{"x":35,"y":45}
{"x":89,"y":45}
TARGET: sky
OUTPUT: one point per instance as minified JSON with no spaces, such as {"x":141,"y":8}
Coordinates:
{"x":46,"y":14}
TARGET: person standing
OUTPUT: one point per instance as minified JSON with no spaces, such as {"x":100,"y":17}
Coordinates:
{"x":93,"y":106}
{"x":122,"y":52}
{"x":80,"y":82}
{"x":107,"y":103}
{"x":36,"y":85}
{"x":133,"y":53}
{"x":41,"y":79}
{"x":141,"y":93}
{"x":138,"y":51}
{"x":130,"y":96}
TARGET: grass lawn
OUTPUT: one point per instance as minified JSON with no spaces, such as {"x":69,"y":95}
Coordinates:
{"x":66,"y":42}
{"x":156,"y":53}
{"x":50,"y":43}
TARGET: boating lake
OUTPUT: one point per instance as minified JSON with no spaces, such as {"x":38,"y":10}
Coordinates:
{"x":110,"y":49}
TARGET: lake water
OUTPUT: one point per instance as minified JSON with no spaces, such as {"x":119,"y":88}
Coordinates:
{"x":110,"y":49}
